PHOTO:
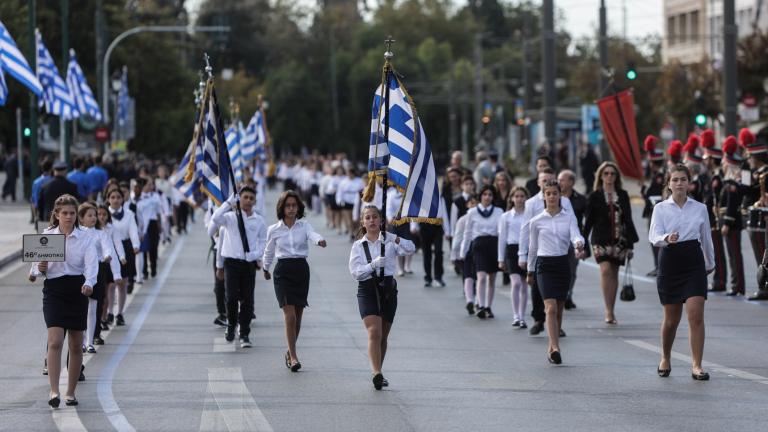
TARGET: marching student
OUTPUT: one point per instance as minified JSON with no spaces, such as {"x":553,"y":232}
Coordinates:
{"x":552,"y":232}
{"x":680,"y":227}
{"x":287,"y":240}
{"x":66,"y":289}
{"x":127,"y":235}
{"x":394,"y":199}
{"x":482,"y":233}
{"x":347,"y":192}
{"x":372,"y":264}
{"x":113,"y":243}
{"x":467,"y":265}
{"x":509,"y":245}
{"x":241,"y":259}
{"x":149,"y":210}
{"x":219,"y":290}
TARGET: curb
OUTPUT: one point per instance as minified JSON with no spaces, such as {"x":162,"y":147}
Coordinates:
{"x":8,"y":259}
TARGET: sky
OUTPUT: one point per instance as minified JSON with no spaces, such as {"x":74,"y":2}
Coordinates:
{"x":644,"y":17}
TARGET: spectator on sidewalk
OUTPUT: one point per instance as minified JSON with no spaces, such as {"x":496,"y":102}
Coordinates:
{"x":588,"y":163}
{"x":11,"y":167}
{"x":78,"y":177}
{"x":56,"y":187}
{"x":34,"y":195}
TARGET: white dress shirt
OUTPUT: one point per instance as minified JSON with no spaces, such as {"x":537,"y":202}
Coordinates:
{"x":285,"y":242}
{"x":81,"y":255}
{"x":231,"y":244}
{"x":509,"y":231}
{"x":455,"y":215}
{"x":148,"y":208}
{"x":478,"y":226}
{"x":552,"y":235}
{"x":534,"y":206}
{"x":126,"y":228}
{"x":458,"y":232}
{"x":690,"y":222}
{"x":348,"y":190}
{"x":359,"y":267}
{"x":105,"y":248}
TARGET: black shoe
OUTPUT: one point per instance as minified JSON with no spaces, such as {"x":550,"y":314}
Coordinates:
{"x":471,"y":308}
{"x":516,"y":323}
{"x":384,"y":383}
{"x":288,"y":359}
{"x":569,"y":304}
{"x":45,"y":370}
{"x":378,"y":381}
{"x":488,"y":312}
{"x":245,"y":342}
{"x":438,"y":282}
{"x":154,"y":274}
{"x":481,"y":313}
{"x":295,"y":367}
{"x":54,"y":401}
{"x":110,"y":319}
{"x":70,"y":401}
{"x":701,"y":376}
{"x":555,"y":358}
{"x":562,"y":333}
{"x":104,"y":326}
{"x":759,"y":295}
{"x":664,"y":372}
{"x":120,"y":320}
{"x":98,"y":340}
{"x":536,"y":328}
{"x":221,"y":321}
{"x":229,"y":335}
{"x":427,"y":284}
{"x":734,"y":293}
{"x":523,"y":325}
{"x":129,"y":289}
{"x":82,"y":374}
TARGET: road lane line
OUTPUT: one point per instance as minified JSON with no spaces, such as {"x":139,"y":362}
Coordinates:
{"x":221,"y":345}
{"x":707,"y":365}
{"x":234,"y":403}
{"x":104,"y":389}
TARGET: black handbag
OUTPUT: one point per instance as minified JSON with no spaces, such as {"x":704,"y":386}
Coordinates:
{"x":627,"y":288}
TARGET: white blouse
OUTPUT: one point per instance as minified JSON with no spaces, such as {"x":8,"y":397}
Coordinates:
{"x":285,"y":242}
{"x":81,"y":255}
{"x":348,"y":190}
{"x":509,"y":231}
{"x":148,"y":208}
{"x":359,"y":267}
{"x":552,"y":235}
{"x":458,"y":232}
{"x":106,"y":247}
{"x":690,"y":223}
{"x":126,"y":227}
{"x":478,"y":226}
{"x":534,"y":206}
{"x":231,"y":244}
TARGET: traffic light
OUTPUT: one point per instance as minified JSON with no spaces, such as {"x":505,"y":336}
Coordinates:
{"x":27,"y":132}
{"x":631,"y":71}
{"x":701,"y":120}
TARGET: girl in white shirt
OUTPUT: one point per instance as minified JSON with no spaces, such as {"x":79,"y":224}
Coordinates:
{"x":127,"y":234}
{"x":348,"y":191}
{"x":372,"y":264}
{"x":482,"y":233}
{"x":551,"y":234}
{"x":114,"y":244}
{"x":288,"y":239}
{"x":468,"y":274}
{"x":66,"y":289}
{"x":509,"y":245}
{"x":680,"y":227}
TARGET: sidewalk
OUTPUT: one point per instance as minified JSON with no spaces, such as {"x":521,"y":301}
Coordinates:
{"x":14,"y":221}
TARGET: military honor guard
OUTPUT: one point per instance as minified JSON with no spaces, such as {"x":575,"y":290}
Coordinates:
{"x":653,"y":192}
{"x":730,"y":214}
{"x":713,"y":157}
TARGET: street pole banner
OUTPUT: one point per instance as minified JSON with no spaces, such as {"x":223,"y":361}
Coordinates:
{"x":44,"y":247}
{"x":617,"y":116}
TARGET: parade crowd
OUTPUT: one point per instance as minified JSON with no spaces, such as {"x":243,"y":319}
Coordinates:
{"x":115,"y":215}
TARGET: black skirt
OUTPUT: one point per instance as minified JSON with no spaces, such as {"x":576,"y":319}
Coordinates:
{"x":103,"y":279}
{"x":468,"y":266}
{"x":128,"y":270}
{"x":378,"y":299}
{"x":553,"y":276}
{"x":485,"y":253}
{"x":512,"y":260}
{"x":64,"y":305}
{"x":682,"y":273}
{"x":291,"y":280}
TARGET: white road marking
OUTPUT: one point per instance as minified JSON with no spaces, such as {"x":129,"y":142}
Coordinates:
{"x":235,"y":406}
{"x":221,"y":345}
{"x":714,"y":367}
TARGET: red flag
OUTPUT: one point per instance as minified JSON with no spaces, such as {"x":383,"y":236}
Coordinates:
{"x":617,"y":116}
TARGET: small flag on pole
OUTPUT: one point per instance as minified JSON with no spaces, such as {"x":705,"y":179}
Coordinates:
{"x":123,"y":98}
{"x":13,"y":62}
{"x":234,"y":138}
{"x":78,"y":86}
{"x":57,"y":98}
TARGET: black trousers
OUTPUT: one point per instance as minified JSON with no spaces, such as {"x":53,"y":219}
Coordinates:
{"x":537,"y":303}
{"x":9,"y":187}
{"x":153,"y":231}
{"x":720,"y":276}
{"x":757,"y":239}
{"x":432,"y":236}
{"x":219,"y":292}
{"x":239,"y":284}
{"x":735,"y":260}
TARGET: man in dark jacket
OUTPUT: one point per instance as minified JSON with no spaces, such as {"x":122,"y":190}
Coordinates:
{"x":567,"y":179}
{"x":56,"y":187}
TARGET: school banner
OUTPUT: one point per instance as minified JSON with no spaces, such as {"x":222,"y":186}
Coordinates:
{"x":617,"y":117}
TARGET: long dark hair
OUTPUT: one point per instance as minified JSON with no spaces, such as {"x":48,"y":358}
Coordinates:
{"x":494,"y":194}
{"x":676,"y":168}
{"x":281,"y":204}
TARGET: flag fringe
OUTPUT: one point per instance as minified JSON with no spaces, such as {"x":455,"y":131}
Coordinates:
{"x":427,"y":220}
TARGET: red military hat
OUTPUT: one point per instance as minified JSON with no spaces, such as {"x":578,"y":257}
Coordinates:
{"x":649,"y":145}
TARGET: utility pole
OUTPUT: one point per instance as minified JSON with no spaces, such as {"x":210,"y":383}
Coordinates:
{"x":334,"y":84}
{"x":99,"y":24}
{"x":603,"y":49}
{"x":32,"y":58}
{"x":729,"y":65}
{"x":478,"y":51}
{"x":548,"y":70}
{"x":65,"y":130}
{"x":452,"y":117}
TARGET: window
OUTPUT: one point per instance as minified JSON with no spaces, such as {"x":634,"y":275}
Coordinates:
{"x":683,"y":28}
{"x":695,"y":26}
{"x":671,"y":31}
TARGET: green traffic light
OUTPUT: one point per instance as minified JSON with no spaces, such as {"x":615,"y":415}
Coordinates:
{"x":27,"y":132}
{"x":631,"y":74}
{"x":701,"y":119}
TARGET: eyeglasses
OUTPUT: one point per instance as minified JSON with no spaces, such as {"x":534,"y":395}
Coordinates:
{"x":609,"y":173}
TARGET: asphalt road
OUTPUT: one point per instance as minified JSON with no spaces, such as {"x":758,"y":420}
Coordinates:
{"x":169,"y":369}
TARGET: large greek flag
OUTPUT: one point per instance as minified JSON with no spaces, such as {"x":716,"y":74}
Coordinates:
{"x":178,"y":179}
{"x":13,"y":62}
{"x":407,"y":156}
{"x":57,"y":98}
{"x":78,"y":86}
{"x":234,"y":137}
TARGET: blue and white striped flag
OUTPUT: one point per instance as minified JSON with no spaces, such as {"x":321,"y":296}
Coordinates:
{"x":255,"y":140}
{"x":213,"y":166}
{"x":57,"y":98}
{"x":78,"y":86}
{"x":407,"y":156}
{"x":13,"y":62}
{"x":123,"y":99}
{"x":178,"y":178}
{"x":234,"y":137}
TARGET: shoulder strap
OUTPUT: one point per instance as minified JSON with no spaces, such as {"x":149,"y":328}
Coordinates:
{"x":367,"y":251}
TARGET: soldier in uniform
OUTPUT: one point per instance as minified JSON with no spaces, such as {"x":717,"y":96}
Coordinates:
{"x":653,"y":192}
{"x":730,"y":214}
{"x":758,"y":165}
{"x":712,"y":160}
{"x":698,"y":187}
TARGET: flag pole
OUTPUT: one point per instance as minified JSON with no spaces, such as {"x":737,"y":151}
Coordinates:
{"x":387,"y":77}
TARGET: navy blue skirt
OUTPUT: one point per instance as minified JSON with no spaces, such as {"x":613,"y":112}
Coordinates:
{"x":64,"y":305}
{"x":291,"y":279}
{"x":682,"y":273}
{"x":553,"y":276}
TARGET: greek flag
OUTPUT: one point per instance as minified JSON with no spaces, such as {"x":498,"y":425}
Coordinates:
{"x":123,"y":99}
{"x":407,"y":156}
{"x":178,"y":178}
{"x":211,"y":155}
{"x":78,"y":86}
{"x":13,"y":62}
{"x":234,"y":137}
{"x":57,"y":98}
